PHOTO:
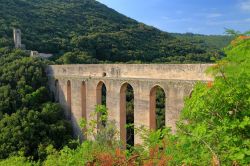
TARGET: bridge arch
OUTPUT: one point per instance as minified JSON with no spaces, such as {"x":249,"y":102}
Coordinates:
{"x":157,"y":106}
{"x":69,"y":99}
{"x":101,"y":91}
{"x":126,"y":135}
{"x":101,"y":99}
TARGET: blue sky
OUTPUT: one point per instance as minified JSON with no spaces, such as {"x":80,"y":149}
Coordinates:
{"x":196,"y":16}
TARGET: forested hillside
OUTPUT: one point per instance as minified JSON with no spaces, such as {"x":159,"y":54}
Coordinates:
{"x":90,"y":32}
{"x":216,"y":41}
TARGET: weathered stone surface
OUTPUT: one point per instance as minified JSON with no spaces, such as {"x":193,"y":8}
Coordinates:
{"x":17,"y":38}
{"x":176,"y":80}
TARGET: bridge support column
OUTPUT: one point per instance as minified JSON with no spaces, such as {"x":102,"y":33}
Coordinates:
{"x":174,"y":105}
{"x":91,"y":100}
{"x":113,"y":103}
{"x":141,"y":109}
{"x":63,"y":95}
{"x":76,"y":109}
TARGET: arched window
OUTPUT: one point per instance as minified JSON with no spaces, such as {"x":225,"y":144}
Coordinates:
{"x":157,"y":108}
{"x":127,"y":114}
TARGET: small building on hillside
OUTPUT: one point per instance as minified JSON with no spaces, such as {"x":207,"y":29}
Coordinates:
{"x":40,"y":55}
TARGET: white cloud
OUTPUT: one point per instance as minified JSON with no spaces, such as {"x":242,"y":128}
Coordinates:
{"x":214,"y":15}
{"x":192,"y":29}
{"x":229,"y":22}
{"x":245,"y":5}
{"x":247,"y":20}
{"x":168,"y":19}
{"x":179,"y":12}
{"x":165,"y":18}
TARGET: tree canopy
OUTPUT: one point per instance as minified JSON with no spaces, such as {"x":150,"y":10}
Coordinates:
{"x":29,"y":121}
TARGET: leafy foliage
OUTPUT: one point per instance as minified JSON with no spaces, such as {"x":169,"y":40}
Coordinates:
{"x":130,"y":116}
{"x":216,"y":41}
{"x":29,"y":122}
{"x":160,"y":108}
{"x":99,"y":127}
{"x":218,"y":115}
{"x":17,"y":161}
{"x":76,"y":57}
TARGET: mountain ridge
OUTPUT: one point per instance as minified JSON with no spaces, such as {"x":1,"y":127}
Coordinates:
{"x":95,"y":32}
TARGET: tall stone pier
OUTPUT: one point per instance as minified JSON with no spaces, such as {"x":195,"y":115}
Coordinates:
{"x":78,"y":89}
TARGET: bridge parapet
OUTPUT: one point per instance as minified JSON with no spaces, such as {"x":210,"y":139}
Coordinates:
{"x":148,"y":71}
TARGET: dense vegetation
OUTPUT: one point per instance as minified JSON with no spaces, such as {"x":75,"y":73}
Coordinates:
{"x":29,"y":121}
{"x":214,"y":127}
{"x":215,"y":41}
{"x":218,"y":114}
{"x":88,"y":32}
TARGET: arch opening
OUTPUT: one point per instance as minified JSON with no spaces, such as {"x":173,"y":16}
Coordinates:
{"x":83,"y":104}
{"x":69,"y":100}
{"x":157,"y":108}
{"x":127,"y":115}
{"x":101,"y":94}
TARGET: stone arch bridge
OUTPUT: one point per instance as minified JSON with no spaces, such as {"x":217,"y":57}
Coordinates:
{"x":78,"y":89}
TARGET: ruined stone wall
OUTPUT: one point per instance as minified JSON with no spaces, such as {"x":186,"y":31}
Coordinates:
{"x":176,"y":80}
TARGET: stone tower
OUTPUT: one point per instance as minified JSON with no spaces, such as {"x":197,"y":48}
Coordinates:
{"x":17,"y":38}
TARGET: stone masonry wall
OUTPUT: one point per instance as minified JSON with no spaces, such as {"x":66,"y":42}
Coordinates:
{"x":176,"y":80}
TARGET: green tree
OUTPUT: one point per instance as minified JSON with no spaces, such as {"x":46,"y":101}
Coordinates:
{"x":218,"y":115}
{"x":29,"y":122}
